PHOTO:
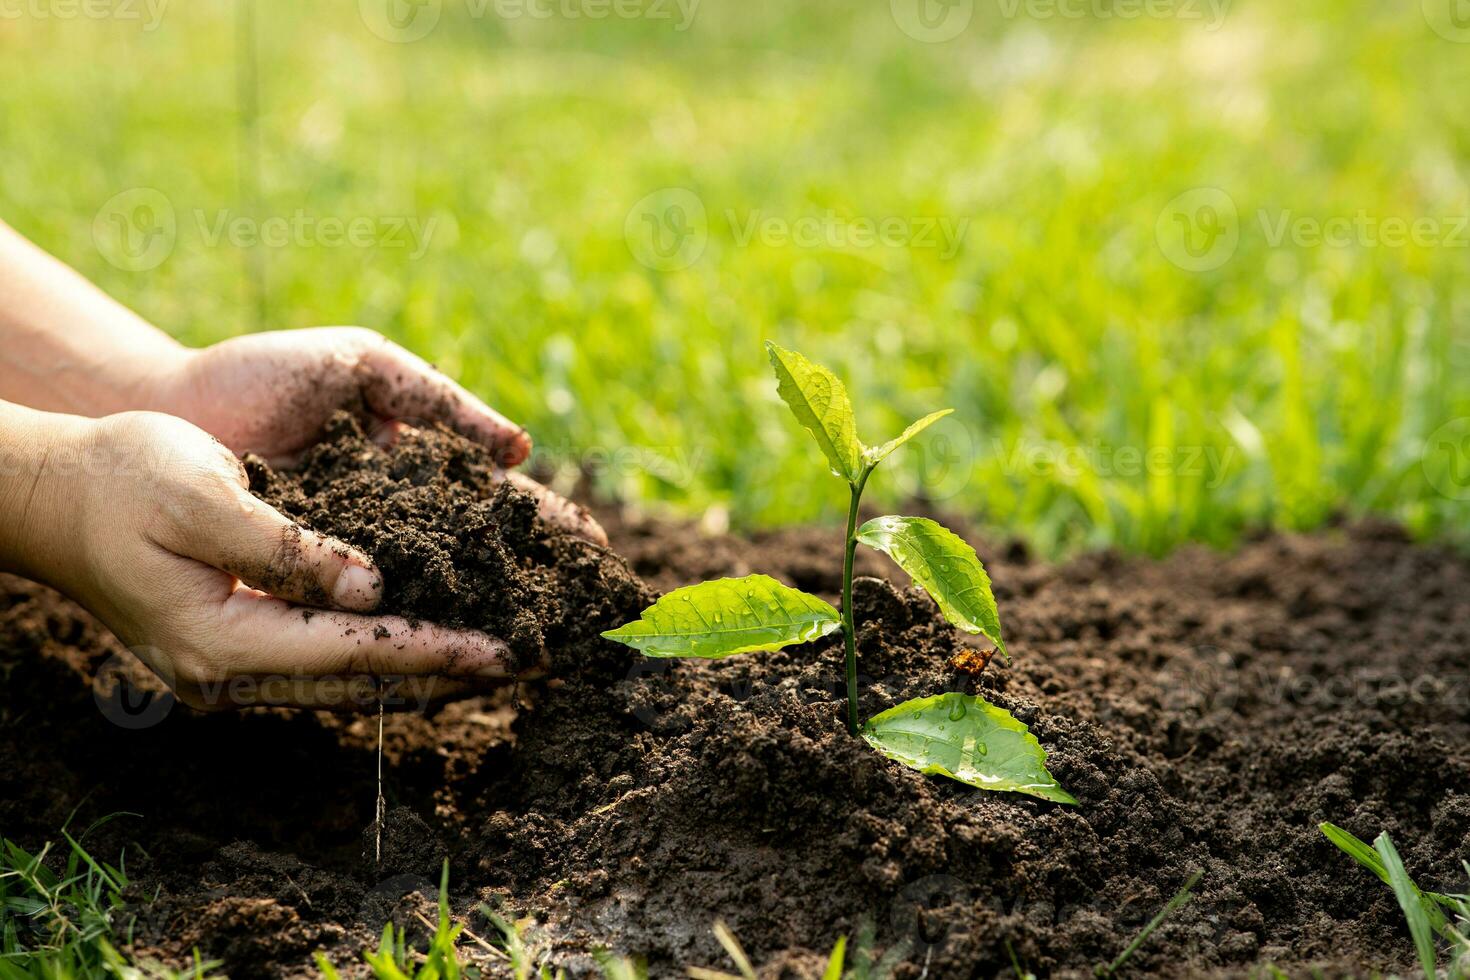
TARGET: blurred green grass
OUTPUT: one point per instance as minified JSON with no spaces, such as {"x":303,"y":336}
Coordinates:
{"x":1105,"y":394}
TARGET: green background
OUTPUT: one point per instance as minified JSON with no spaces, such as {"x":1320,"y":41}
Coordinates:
{"x":1109,"y":388}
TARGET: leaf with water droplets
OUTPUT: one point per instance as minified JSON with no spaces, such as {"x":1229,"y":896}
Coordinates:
{"x":819,"y":401}
{"x":965,"y":738}
{"x":726,"y":617}
{"x":947,"y":568}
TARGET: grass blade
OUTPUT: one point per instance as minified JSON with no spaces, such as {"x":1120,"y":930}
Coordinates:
{"x":1411,"y":900}
{"x":836,"y":960}
{"x":732,"y":946}
{"x":1180,"y":898}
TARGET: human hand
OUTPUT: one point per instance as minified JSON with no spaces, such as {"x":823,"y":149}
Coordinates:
{"x":272,"y":394}
{"x":156,"y":535}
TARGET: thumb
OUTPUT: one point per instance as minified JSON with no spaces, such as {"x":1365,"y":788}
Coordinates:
{"x":261,"y":547}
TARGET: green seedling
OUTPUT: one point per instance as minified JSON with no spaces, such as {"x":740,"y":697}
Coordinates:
{"x":1428,"y":914}
{"x":863,"y":967}
{"x":514,"y":955}
{"x":960,"y":736}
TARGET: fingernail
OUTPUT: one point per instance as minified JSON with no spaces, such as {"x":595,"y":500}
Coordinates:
{"x":494,"y":670}
{"x":358,"y":588}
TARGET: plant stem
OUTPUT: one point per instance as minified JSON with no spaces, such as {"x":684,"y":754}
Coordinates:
{"x":849,"y":633}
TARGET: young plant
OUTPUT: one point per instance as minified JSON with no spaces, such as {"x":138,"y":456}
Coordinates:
{"x":956,"y":735}
{"x":1429,"y":914}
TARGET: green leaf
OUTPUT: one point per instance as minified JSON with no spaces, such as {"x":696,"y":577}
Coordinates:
{"x":819,"y":401}
{"x":965,"y":738}
{"x":947,"y":568}
{"x":1411,"y":900}
{"x":878,"y":454}
{"x":1355,"y":849}
{"x":726,"y":617}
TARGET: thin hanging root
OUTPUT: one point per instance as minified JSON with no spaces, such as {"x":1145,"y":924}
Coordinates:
{"x":380,"y":807}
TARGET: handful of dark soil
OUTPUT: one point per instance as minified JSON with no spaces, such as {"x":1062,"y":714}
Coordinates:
{"x":456,"y":544}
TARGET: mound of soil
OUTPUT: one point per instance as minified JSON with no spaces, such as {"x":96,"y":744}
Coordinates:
{"x":1208,"y":711}
{"x":456,"y":544}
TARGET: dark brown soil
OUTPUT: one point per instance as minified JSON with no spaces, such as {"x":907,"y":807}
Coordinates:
{"x":1208,"y":711}
{"x":456,"y":546}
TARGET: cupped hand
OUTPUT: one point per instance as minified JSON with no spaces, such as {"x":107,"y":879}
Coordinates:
{"x":273,"y":393}
{"x":207,"y":583}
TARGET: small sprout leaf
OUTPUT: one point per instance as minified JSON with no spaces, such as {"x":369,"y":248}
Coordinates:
{"x":878,"y":454}
{"x":836,"y":960}
{"x":947,"y":568}
{"x":965,"y":738}
{"x":820,"y":403}
{"x":726,"y":617}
